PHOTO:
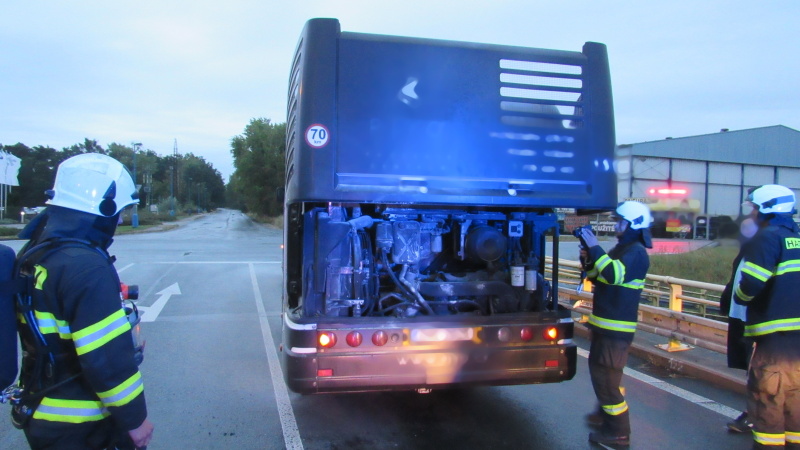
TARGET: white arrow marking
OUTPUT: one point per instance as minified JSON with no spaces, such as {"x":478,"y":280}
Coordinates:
{"x":149,"y":313}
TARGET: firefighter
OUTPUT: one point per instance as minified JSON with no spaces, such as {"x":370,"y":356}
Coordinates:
{"x":768,"y":283}
{"x":80,"y":382}
{"x":618,"y":278}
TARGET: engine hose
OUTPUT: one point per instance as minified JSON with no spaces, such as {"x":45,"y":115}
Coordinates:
{"x":396,"y":282}
{"x":414,"y":292}
{"x":393,"y":307}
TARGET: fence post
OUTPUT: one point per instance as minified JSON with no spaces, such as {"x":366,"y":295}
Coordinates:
{"x":675,"y":304}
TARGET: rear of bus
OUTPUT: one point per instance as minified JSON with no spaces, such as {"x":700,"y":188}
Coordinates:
{"x":421,"y":181}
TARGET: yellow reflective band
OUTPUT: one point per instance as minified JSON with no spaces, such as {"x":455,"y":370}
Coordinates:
{"x":124,"y":393}
{"x":48,"y":324}
{"x":70,"y":411}
{"x":602,"y":262}
{"x":613,"y":325}
{"x":39,"y":276}
{"x":755,"y":271}
{"x":619,"y":271}
{"x":769,"y":439}
{"x":742,"y":295}
{"x":634,"y":284}
{"x":773,"y":326}
{"x":788,"y":266}
{"x":99,"y":334}
{"x":793,"y":437}
{"x":615,"y":410}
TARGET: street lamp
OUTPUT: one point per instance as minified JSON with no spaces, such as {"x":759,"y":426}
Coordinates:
{"x":135,"y":215}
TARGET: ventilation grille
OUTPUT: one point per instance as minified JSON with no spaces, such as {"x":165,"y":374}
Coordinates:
{"x":291,"y":111}
{"x":537,"y":94}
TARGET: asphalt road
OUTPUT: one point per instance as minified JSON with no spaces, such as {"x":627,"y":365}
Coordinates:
{"x":210,"y":292}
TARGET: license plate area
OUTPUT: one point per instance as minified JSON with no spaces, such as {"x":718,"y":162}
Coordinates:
{"x":428,"y":335}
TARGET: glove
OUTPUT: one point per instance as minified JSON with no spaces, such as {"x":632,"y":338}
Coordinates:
{"x":589,"y":238}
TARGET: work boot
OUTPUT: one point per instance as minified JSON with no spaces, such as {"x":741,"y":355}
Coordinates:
{"x":741,"y":424}
{"x":603,"y":438}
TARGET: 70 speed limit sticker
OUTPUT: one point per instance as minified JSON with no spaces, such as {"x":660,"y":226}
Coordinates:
{"x":317,"y":136}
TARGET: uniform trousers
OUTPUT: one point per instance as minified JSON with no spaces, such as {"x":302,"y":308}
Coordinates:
{"x":773,"y":396}
{"x":607,"y":359}
{"x":102,"y":434}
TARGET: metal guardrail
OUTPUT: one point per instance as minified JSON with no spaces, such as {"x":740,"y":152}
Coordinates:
{"x":685,"y":321}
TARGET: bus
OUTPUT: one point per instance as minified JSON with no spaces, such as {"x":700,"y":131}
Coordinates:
{"x":422,"y":178}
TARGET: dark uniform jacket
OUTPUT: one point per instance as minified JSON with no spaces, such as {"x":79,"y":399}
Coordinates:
{"x":770,"y":281}
{"x":76,"y":301}
{"x":619,"y":279}
{"x":8,"y":329}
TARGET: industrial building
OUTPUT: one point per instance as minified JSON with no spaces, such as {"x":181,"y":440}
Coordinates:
{"x":696,"y":181}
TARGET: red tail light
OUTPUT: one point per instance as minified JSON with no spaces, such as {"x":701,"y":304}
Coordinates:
{"x":551,"y":333}
{"x":526,"y":334}
{"x":353,"y":339}
{"x":380,"y":338}
{"x":326,"y":339}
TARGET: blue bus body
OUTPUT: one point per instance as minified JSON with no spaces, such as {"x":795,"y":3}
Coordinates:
{"x":421,"y":181}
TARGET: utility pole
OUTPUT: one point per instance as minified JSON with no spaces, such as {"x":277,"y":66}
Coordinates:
{"x":135,"y":215}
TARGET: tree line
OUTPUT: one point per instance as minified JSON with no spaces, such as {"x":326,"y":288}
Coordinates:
{"x":185,"y":182}
{"x":259,"y":161}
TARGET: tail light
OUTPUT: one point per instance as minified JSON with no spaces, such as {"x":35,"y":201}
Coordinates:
{"x":353,"y":339}
{"x":380,"y":338}
{"x":551,"y":333}
{"x":326,"y":339}
{"x":526,"y":334}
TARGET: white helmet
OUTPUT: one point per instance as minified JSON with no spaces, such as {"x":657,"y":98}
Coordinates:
{"x":772,"y":198}
{"x":93,"y":183}
{"x":636,"y":213}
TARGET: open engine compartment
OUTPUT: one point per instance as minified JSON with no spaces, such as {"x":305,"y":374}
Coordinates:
{"x":373,"y":261}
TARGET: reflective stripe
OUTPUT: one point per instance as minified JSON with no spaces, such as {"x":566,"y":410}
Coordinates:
{"x":769,"y":439}
{"x":773,"y":326}
{"x":742,"y":295}
{"x":617,"y":267}
{"x":70,"y":411}
{"x":792,"y":265}
{"x":615,"y":410}
{"x":793,"y":437}
{"x":634,"y":284}
{"x":48,"y":323}
{"x":602,"y":262}
{"x":97,"y":335}
{"x":39,"y":276}
{"x":124,"y":393}
{"x":614,"y":325}
{"x":755,"y":271}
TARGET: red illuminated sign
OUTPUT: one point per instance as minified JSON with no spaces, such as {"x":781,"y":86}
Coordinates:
{"x":668,"y":191}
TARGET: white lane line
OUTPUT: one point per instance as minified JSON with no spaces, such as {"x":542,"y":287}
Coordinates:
{"x":674,"y":390}
{"x":214,"y":262}
{"x":123,"y":269}
{"x":291,"y":435}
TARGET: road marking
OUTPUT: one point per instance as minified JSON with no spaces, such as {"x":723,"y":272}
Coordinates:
{"x":291,"y":435}
{"x":150,"y":313}
{"x":214,"y":262}
{"x":674,"y":390}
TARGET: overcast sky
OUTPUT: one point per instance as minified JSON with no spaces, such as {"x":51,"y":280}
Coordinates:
{"x":198,"y":71}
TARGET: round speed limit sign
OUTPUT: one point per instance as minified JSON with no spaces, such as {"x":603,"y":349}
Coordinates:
{"x":317,"y":136}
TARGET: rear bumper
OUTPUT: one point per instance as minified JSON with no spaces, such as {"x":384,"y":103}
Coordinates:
{"x":409,"y":366}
